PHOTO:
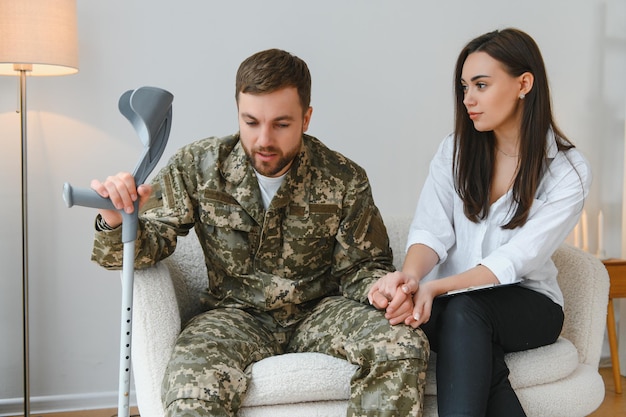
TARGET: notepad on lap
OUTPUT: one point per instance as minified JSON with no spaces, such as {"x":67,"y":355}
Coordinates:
{"x":476,"y":288}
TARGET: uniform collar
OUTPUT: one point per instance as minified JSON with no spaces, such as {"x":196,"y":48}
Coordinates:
{"x":243,"y":185}
{"x":236,"y":165}
{"x":296,"y":188}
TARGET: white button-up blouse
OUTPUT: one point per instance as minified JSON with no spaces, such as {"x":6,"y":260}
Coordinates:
{"x":521,"y":254}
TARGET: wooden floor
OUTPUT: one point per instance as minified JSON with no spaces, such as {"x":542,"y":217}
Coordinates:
{"x":88,"y":413}
{"x":614,"y":405}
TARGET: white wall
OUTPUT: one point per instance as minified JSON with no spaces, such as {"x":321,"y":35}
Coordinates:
{"x":382,"y":94}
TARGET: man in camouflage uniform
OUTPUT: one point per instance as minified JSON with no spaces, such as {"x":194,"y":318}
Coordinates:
{"x":292,"y":241}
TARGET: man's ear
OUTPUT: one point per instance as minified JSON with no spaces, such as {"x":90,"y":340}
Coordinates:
{"x":307,"y":119}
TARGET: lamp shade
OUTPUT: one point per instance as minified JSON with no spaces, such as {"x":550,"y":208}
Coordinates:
{"x":39,"y":36}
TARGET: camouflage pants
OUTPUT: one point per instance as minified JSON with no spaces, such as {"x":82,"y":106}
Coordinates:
{"x":206,"y":375}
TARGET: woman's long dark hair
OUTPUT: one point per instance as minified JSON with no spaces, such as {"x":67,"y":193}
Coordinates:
{"x":474,"y":151}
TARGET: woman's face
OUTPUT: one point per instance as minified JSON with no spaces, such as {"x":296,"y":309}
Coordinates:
{"x":491,"y":95}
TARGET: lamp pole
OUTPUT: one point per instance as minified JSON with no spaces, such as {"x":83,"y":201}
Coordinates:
{"x":23,"y":69}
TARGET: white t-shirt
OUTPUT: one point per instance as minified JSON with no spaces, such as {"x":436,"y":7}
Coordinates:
{"x":269,"y":186}
{"x":511,"y":254}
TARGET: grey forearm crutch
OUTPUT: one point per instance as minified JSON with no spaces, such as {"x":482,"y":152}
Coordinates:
{"x":149,"y":110}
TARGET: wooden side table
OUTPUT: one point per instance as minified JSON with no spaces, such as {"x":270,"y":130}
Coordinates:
{"x":617,"y":275}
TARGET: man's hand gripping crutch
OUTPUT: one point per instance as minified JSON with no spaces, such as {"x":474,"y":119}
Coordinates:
{"x":149,"y":110}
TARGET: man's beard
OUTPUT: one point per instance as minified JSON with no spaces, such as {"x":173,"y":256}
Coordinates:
{"x":267,"y":169}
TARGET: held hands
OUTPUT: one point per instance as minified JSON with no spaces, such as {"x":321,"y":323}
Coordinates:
{"x":123,"y":192}
{"x":403,"y":299}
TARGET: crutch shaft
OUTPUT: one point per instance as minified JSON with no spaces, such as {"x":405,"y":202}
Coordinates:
{"x":123,"y":407}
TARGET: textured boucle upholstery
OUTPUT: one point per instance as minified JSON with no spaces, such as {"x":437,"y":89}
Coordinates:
{"x":560,"y":380}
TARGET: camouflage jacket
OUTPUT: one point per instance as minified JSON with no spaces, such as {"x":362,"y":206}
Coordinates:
{"x":321,"y":235}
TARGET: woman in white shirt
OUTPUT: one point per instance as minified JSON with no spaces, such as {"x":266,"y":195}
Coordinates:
{"x":503,"y":192}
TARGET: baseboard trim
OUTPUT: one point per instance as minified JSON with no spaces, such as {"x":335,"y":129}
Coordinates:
{"x":62,"y":403}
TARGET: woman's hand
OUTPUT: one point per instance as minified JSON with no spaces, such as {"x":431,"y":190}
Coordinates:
{"x":422,"y":305}
{"x":393,"y":293}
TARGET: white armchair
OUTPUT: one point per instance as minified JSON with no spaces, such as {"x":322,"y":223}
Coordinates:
{"x":560,"y":380}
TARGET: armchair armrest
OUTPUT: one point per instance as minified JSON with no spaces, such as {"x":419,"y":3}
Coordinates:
{"x":585,"y":285}
{"x":165,"y":297}
{"x":156,"y":325}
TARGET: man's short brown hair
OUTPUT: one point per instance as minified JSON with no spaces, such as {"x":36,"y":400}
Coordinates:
{"x":271,"y":70}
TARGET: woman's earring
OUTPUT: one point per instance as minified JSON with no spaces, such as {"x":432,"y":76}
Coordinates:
{"x":522,"y":96}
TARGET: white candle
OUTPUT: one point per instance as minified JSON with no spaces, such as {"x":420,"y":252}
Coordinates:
{"x":623,"y":252}
{"x":577,"y":235}
{"x":600,"y":235}
{"x":585,"y":235}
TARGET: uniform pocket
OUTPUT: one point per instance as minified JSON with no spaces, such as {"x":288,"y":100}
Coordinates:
{"x":225,"y":229}
{"x":308,"y":240}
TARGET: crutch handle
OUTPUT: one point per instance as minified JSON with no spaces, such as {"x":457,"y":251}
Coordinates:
{"x":86,"y":197}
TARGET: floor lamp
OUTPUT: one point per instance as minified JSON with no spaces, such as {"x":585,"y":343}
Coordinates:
{"x":37,"y":37}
